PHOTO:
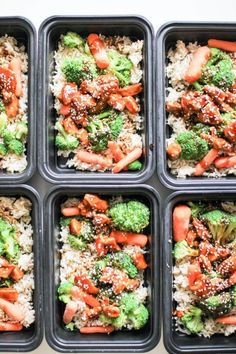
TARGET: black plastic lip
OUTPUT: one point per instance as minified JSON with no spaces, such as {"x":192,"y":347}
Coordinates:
{"x":166,"y":37}
{"x":176,"y":342}
{"x":63,"y":341}
{"x":49,"y":34}
{"x":23,"y":30}
{"x":28,"y":339}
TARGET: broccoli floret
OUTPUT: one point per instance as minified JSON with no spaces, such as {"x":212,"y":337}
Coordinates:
{"x":130,"y":216}
{"x":3,"y":150}
{"x":3,"y":122}
{"x":132,"y":312}
{"x":196,"y":209}
{"x":201,"y":128}
{"x":120,"y":321}
{"x":218,"y":70}
{"x":79,"y":69}
{"x":98,"y":268}
{"x":72,"y":40}
{"x":76,"y":242}
{"x":128,"y":303}
{"x":106,"y":114}
{"x":16,"y":146}
{"x":139,"y":317}
{"x":8,"y":136}
{"x":21,"y":130}
{"x":116,"y":127}
{"x":192,"y":146}
{"x":8,"y":244}
{"x":222,"y":225}
{"x":70,"y":326}
{"x":182,"y":250}
{"x":197,"y":86}
{"x":135,"y":166}
{"x":192,"y":320}
{"x":120,"y":66}
{"x":98,"y":135}
{"x":105,"y":319}
{"x":65,"y":141}
{"x":217,"y":305}
{"x":2,"y":107}
{"x":64,"y":291}
{"x":123,"y":261}
{"x":6,"y":283}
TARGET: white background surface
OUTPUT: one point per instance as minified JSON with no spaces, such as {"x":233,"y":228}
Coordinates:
{"x":156,"y":11}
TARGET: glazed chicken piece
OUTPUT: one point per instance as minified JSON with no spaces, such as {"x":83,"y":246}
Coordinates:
{"x":101,"y":87}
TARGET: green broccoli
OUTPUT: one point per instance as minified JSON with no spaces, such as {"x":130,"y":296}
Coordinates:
{"x":196,"y":208}
{"x":217,"y":305}
{"x":135,"y":165}
{"x":182,"y":250}
{"x":8,"y":244}
{"x":64,"y":291}
{"x":132,"y":313}
{"x":116,"y":127}
{"x":76,"y":242}
{"x":222,"y":226}
{"x":218,"y":70}
{"x":2,"y":107}
{"x":8,"y":136}
{"x":192,"y":320}
{"x":16,"y":146}
{"x":98,"y":134}
{"x":65,"y":141}
{"x":120,"y":66}
{"x":79,"y":69}
{"x":192,"y":146}
{"x":130,"y":216}
{"x":3,"y":150}
{"x":201,"y":128}
{"x":70,"y":326}
{"x":98,"y":268}
{"x":72,"y":40}
{"x":197,"y":86}
{"x":139,"y":317}
{"x":106,"y":114}
{"x":6,"y":283}
{"x":3,"y":122}
{"x":123,"y":261}
{"x":21,"y":130}
{"x":129,"y":302}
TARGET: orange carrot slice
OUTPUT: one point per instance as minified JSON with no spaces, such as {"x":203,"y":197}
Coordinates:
{"x":205,"y":163}
{"x":200,"y":58}
{"x":224,"y":45}
{"x":97,"y":329}
{"x":72,"y":211}
{"x":181,"y":220}
{"x":132,"y":156}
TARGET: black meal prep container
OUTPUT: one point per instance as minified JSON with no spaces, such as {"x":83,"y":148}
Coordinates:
{"x":166,"y":38}
{"x":52,"y":167}
{"x":123,"y":341}
{"x":174,"y":341}
{"x":29,"y":338}
{"x":23,"y":30}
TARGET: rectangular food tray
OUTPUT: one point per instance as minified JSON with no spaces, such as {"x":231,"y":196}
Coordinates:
{"x":122,"y":341}
{"x":176,"y":342}
{"x":166,"y":38}
{"x":54,"y":168}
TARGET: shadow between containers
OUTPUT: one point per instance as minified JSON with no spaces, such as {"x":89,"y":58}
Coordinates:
{"x":132,"y":341}
{"x":166,"y":38}
{"x":23,"y":30}
{"x":29,"y":338}
{"x":52,"y":168}
{"x":176,"y":342}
